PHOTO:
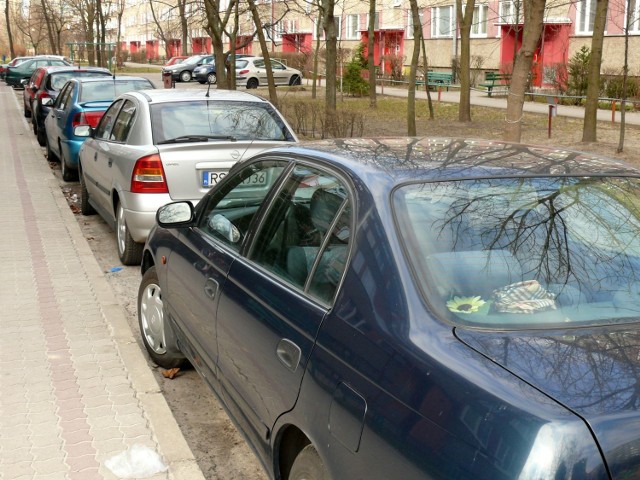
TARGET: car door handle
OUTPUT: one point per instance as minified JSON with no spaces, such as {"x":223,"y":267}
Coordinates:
{"x":210,"y":288}
{"x":289,"y":354}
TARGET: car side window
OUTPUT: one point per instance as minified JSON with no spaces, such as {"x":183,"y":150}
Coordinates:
{"x":306,"y":234}
{"x":103,"y":130}
{"x":277,"y":65}
{"x":64,"y":97}
{"x":124,"y":122}
{"x":229,"y":211}
{"x":259,"y":63}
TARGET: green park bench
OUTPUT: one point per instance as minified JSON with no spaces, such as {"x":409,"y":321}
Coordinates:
{"x":437,"y":79}
{"x":493,"y":79}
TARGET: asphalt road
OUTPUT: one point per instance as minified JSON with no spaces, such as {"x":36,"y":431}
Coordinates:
{"x":218,"y":447}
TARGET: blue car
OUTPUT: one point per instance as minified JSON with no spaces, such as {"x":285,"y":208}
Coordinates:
{"x":411,"y":308}
{"x":82,"y":101}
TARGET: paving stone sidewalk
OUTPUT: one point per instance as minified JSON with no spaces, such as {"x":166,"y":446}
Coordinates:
{"x":75,"y":388}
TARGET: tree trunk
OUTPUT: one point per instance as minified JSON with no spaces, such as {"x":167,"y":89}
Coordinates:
{"x":625,"y":77}
{"x":370,"y":56}
{"x":47,"y":20}
{"x":273,"y":96}
{"x":534,"y":15}
{"x":184,"y":26}
{"x":8,"y":22}
{"x":411,"y":99}
{"x":329,"y":26}
{"x":425,"y":62}
{"x":316,"y":57}
{"x":466,"y":18}
{"x":589,"y":126}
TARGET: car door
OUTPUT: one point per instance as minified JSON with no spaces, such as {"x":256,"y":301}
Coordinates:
{"x":261,"y":71}
{"x":198,"y":269}
{"x":96,"y":158}
{"x":280,"y":75}
{"x":55,"y":121}
{"x":273,"y":303}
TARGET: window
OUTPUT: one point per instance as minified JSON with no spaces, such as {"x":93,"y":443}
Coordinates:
{"x":305,"y":236}
{"x":635,"y":16}
{"x":585,"y":16}
{"x":510,"y":10}
{"x":229,"y":212}
{"x":352,"y":27}
{"x":103,"y":130}
{"x":408,"y":33}
{"x":124,"y":122}
{"x":64,"y":97}
{"x":376,"y":21}
{"x":479,"y":26}
{"x":338,"y":24}
{"x":442,"y":22}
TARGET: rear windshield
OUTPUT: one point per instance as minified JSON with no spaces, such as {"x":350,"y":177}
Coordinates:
{"x":218,"y":119}
{"x":525,"y":252}
{"x":57,"y":80}
{"x":108,"y":90}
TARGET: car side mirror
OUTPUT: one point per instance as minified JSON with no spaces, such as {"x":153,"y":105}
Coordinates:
{"x":176,"y":214}
{"x":47,"y":101}
{"x":83,"y":131}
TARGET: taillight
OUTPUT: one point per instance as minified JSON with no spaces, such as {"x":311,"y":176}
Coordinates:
{"x":148,"y":176}
{"x":243,"y":72}
{"x":87,"y":118}
{"x":42,"y":94}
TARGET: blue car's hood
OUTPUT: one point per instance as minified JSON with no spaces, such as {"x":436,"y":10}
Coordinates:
{"x":593,"y":372}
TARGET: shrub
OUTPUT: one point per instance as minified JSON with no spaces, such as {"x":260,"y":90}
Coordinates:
{"x":352,"y":81}
{"x":579,"y":73}
{"x":613,"y":85}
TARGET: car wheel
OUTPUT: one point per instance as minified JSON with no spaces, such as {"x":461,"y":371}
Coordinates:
{"x":129,"y":251}
{"x":252,"y":83}
{"x":52,"y":157}
{"x":295,"y":80}
{"x":185,"y":76}
{"x":85,"y":206}
{"x":68,"y":173}
{"x":212,"y":78}
{"x":157,"y":336}
{"x":41,"y":136}
{"x":308,"y":466}
{"x":27,"y":113}
{"x":34,"y":124}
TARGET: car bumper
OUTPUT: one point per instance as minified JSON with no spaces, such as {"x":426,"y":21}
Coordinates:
{"x":72,"y":152}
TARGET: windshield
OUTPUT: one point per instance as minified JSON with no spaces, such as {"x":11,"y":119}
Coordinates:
{"x":526,"y":252}
{"x":192,"y":60}
{"x":110,"y":89}
{"x":218,"y":119}
{"x":57,"y":80}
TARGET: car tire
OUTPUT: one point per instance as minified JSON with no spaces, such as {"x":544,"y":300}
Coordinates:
{"x":308,"y":466}
{"x":129,"y":251}
{"x":51,"y":157}
{"x":85,"y":207}
{"x":212,"y":78}
{"x":34,"y":124}
{"x":68,"y":173}
{"x":157,"y":335}
{"x":295,"y":80}
{"x":27,"y":113}
{"x":252,"y":83}
{"x":185,"y":76}
{"x":41,"y":136}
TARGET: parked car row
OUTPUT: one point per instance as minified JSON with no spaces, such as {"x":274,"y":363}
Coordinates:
{"x":251,"y":71}
{"x":393,"y":308}
{"x":21,"y":68}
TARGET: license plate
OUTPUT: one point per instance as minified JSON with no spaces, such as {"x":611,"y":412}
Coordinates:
{"x":210,"y":178}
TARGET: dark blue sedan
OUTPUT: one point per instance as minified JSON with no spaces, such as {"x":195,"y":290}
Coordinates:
{"x":411,"y":309}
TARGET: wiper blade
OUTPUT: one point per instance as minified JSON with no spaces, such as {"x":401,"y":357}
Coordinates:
{"x":198,"y":138}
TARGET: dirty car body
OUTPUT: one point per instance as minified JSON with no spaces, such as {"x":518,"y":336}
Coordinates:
{"x":411,"y":308}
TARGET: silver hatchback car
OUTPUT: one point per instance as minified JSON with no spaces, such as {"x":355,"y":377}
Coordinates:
{"x":153,"y":147}
{"x":251,"y":72}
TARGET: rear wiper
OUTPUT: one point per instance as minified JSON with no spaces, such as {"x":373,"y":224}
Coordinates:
{"x":198,"y":138}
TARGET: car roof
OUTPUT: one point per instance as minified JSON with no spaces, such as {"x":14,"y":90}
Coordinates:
{"x":173,"y":95}
{"x":436,"y":158}
{"x":73,"y":68}
{"x":122,"y":78}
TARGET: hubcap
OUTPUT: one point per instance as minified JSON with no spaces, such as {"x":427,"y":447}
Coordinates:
{"x":121,"y":228}
{"x":152,"y":318}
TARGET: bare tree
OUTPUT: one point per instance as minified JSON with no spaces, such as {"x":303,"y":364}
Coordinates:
{"x":329,"y":26}
{"x":417,"y":39}
{"x":265,"y":51}
{"x":589,"y":126}
{"x":466,"y":19}
{"x":533,"y":21}
{"x":370,"y":59}
{"x":9,"y":33}
{"x":47,"y":21}
{"x":625,"y":76}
